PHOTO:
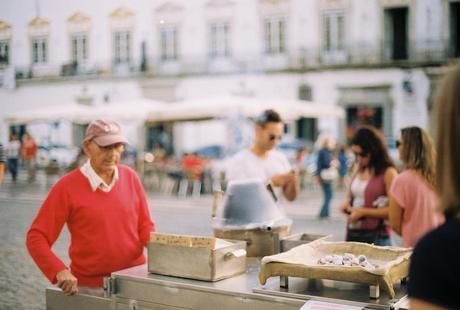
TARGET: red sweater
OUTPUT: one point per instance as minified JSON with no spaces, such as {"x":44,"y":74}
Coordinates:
{"x":108,"y":229}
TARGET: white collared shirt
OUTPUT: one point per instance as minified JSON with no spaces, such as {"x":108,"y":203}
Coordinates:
{"x":95,"y":180}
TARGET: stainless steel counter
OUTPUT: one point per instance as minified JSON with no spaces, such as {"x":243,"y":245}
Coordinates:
{"x":246,"y":286}
{"x":335,"y":292}
{"x":135,"y":288}
{"x":136,"y":285}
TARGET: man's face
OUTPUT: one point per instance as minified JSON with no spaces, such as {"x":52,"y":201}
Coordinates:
{"x":269,"y":135}
{"x":103,"y":159}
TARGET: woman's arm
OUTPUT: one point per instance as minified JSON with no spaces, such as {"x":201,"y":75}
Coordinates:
{"x":357,"y":213}
{"x":388,"y":178}
{"x":395,"y":216}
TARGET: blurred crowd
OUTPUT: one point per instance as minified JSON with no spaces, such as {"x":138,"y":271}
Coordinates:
{"x":20,"y":152}
{"x":165,"y":172}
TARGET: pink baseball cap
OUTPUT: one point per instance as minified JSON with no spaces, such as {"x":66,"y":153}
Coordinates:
{"x":104,"y":132}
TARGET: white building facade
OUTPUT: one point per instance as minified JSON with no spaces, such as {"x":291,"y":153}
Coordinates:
{"x":379,"y":59}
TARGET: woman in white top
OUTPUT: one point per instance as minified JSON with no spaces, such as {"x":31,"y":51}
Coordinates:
{"x":357,"y":189}
{"x":366,"y":201}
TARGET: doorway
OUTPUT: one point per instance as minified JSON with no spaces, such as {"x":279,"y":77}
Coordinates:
{"x":454,"y":41}
{"x":18,"y":130}
{"x":358,"y":116}
{"x":160,"y":137}
{"x":307,"y":129}
{"x":396,"y":33}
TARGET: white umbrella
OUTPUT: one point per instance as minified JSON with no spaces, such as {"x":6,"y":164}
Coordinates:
{"x":70,"y":111}
{"x":132,"y":110}
{"x":224,"y":105}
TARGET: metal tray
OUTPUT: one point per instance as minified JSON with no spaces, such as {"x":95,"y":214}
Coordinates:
{"x":302,"y":262}
{"x":337,"y":292}
{"x":260,"y":241}
{"x":197,"y":262}
{"x":291,"y":241}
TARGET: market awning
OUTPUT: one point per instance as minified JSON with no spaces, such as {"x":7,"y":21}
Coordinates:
{"x":132,"y":110}
{"x":249,"y":106}
{"x":69,"y":111}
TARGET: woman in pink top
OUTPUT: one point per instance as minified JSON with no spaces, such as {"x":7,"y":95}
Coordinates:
{"x":413,"y":201}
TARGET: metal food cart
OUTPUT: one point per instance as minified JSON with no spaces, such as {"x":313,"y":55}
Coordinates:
{"x":171,"y":256}
{"x":136,"y":288}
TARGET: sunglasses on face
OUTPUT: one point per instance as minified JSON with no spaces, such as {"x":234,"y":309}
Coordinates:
{"x":272,"y":137}
{"x":361,"y":154}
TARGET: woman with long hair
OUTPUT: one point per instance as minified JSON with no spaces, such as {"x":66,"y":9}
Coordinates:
{"x":435,"y":269}
{"x":366,"y":200}
{"x":413,"y":201}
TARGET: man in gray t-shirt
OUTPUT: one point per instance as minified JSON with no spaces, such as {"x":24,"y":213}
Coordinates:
{"x":262,"y":161}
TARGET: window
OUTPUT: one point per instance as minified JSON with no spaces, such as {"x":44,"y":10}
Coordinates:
{"x":274,"y":35}
{"x":122,"y":46}
{"x":4,"y":53}
{"x":39,"y":50}
{"x":168,"y":37}
{"x":219,"y":40}
{"x":79,"y":48}
{"x":334,"y":31}
{"x":305,"y":92}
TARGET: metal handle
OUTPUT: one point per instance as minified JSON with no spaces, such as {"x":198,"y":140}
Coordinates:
{"x":108,"y":286}
{"x":236,"y":253}
{"x":132,"y":305}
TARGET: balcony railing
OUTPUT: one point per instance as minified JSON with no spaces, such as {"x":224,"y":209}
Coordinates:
{"x":417,"y":53}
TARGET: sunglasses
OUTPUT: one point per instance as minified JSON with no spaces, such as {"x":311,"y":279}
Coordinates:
{"x":361,"y":154}
{"x":272,"y":137}
{"x":398,"y":143}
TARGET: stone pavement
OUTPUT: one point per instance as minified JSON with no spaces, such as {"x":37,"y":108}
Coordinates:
{"x":22,"y":284}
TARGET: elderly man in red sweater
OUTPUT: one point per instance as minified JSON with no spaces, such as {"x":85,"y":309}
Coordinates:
{"x":105,"y":208}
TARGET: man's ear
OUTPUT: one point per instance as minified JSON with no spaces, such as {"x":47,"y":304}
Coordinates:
{"x":259,"y":129}
{"x":86,"y":147}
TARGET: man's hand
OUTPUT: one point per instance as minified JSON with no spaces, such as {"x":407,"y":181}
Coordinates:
{"x":281,"y":180}
{"x":288,"y":182}
{"x":67,"y":282}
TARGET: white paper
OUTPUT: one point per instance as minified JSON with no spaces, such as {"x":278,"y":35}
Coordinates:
{"x":321,"y":305}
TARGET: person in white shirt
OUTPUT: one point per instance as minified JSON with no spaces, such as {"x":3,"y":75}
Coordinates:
{"x":262,"y":161}
{"x":13,"y":150}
